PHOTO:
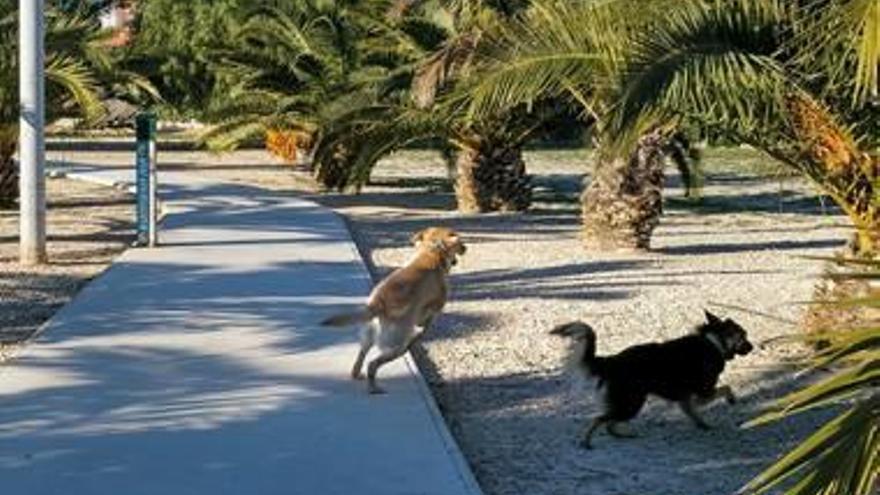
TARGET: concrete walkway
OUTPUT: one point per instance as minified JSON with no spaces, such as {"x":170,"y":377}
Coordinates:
{"x":199,"y":368}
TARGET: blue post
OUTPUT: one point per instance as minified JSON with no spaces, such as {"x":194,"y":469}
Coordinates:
{"x":145,"y":169}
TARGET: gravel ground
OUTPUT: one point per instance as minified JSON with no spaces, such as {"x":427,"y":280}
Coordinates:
{"x":500,"y":379}
{"x":88,"y":226}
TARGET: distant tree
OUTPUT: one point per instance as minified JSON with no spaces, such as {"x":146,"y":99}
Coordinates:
{"x":288,"y":66}
{"x":172,"y":46}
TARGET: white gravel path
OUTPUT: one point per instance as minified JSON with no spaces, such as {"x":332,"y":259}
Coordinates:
{"x":500,"y":380}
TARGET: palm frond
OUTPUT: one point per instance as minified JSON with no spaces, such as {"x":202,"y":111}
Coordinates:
{"x":714,"y":61}
{"x":77,"y":80}
{"x":841,"y":41}
{"x":842,"y":457}
{"x":369,"y":133}
{"x":556,"y":49}
{"x":438,"y":68}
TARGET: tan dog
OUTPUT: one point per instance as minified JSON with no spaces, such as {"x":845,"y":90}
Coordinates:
{"x":401,"y":308}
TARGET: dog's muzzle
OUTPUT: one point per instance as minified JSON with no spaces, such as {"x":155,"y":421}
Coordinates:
{"x":744,"y":348}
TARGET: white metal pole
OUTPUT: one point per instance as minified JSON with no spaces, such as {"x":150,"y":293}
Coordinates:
{"x":31,"y":151}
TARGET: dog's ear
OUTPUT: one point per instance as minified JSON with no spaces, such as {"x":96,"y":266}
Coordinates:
{"x":711,"y":318}
{"x":572,"y":329}
{"x":417,"y":237}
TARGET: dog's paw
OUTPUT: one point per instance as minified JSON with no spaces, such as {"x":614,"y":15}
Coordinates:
{"x":357,"y":376}
{"x":376,"y":390}
{"x":618,"y":431}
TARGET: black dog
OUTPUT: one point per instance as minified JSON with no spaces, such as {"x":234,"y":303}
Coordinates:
{"x":684,"y":370}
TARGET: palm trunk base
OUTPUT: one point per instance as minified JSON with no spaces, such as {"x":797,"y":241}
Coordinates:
{"x":622,"y":205}
{"x":8,"y":169}
{"x":493,"y":180}
{"x":334,"y":173}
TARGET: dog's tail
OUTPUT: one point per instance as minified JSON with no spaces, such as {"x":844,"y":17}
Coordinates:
{"x":584,"y":356}
{"x":362,"y":315}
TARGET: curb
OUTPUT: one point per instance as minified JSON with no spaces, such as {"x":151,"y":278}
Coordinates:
{"x":463,"y":469}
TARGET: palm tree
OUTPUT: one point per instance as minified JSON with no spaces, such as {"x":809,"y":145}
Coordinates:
{"x":573,"y":52}
{"x":71,"y":81}
{"x":488,"y":164}
{"x":798,"y":81}
{"x":433,"y":45}
{"x":172,"y":45}
{"x":490,"y":172}
{"x":795,"y":80}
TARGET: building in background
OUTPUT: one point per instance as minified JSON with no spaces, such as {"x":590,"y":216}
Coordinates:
{"x":119,"y":18}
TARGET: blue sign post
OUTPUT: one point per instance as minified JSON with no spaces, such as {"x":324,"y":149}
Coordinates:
{"x":145,"y":178}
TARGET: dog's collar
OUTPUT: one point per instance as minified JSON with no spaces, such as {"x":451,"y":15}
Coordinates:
{"x":716,"y":342}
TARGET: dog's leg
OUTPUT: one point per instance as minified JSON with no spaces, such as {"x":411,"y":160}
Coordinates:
{"x":367,"y":334}
{"x":688,"y":407}
{"x":373,"y":367}
{"x":589,"y":430}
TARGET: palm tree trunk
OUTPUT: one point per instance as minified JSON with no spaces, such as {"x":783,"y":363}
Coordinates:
{"x":333,"y":173}
{"x":492,"y":178}
{"x":624,"y":200}
{"x":8,"y":169}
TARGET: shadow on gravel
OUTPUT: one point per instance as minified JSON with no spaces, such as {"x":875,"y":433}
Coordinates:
{"x":453,"y":325}
{"x":570,"y":281}
{"x":781,"y":202}
{"x":723,"y":248}
{"x":37,"y":298}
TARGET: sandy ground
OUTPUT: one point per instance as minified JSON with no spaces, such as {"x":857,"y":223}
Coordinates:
{"x":88,"y":226}
{"x":500,"y":379}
